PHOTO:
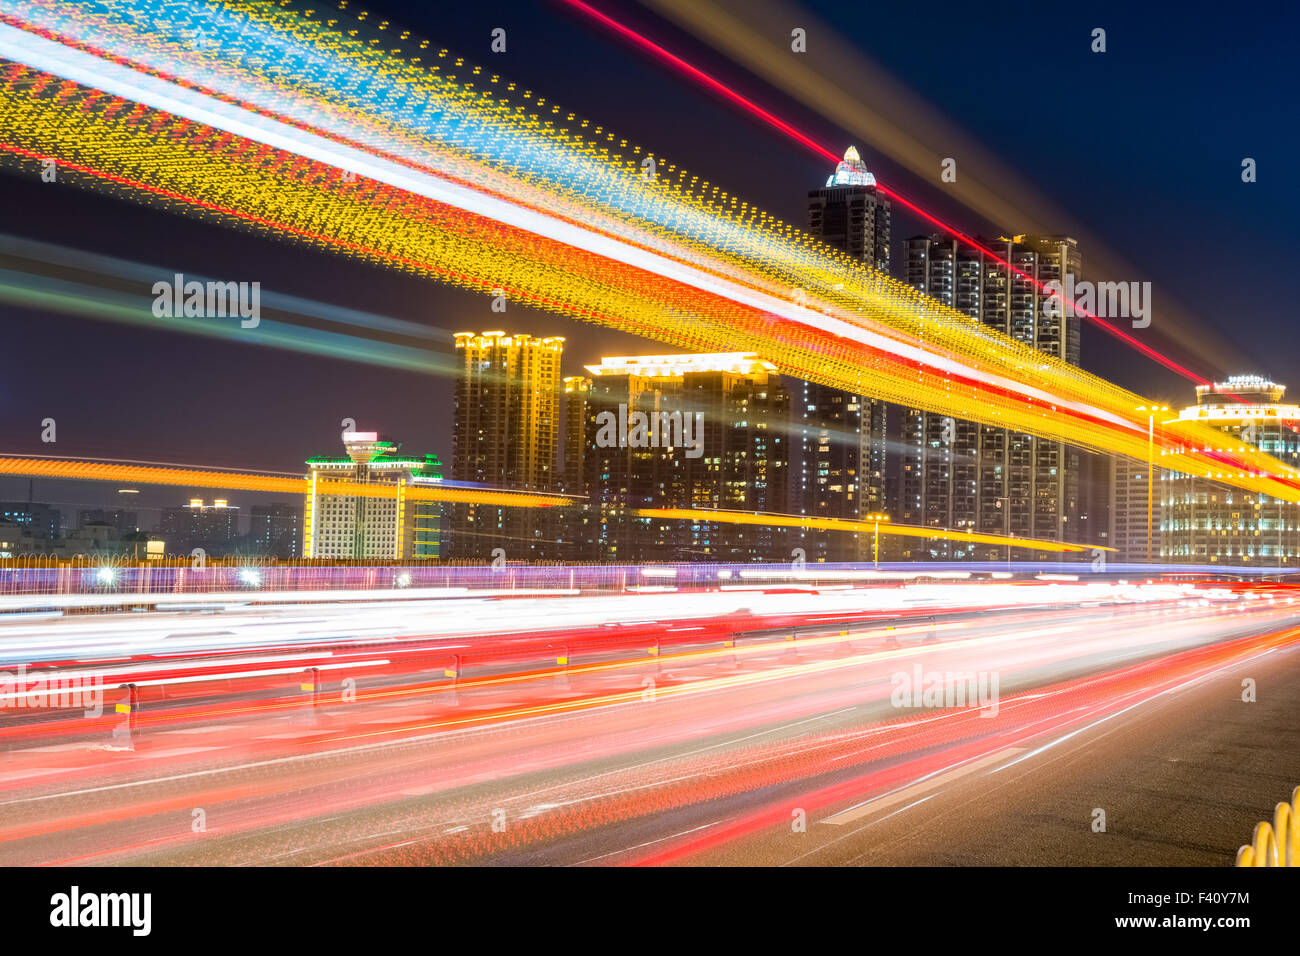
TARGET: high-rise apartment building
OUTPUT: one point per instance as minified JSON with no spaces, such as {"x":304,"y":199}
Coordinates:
{"x":849,"y":214}
{"x":1135,"y":490}
{"x":577,"y":392}
{"x":838,"y":465}
{"x":275,"y":530}
{"x":353,"y":527}
{"x":576,"y":520}
{"x":839,"y":469}
{"x":1205,"y":522}
{"x":686,"y":431}
{"x":214,"y":528}
{"x":506,"y":435}
{"x":40,"y":522}
{"x":964,"y":476}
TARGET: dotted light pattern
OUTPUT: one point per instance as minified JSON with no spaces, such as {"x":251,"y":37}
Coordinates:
{"x":698,"y":269}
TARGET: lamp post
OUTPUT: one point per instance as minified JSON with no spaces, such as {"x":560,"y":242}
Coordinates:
{"x":1006,"y":526}
{"x":875,"y":547}
{"x":1151,"y":466}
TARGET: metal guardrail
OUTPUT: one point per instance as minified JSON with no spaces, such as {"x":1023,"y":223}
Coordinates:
{"x":1276,"y":843}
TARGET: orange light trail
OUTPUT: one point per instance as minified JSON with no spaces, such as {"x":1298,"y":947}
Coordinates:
{"x":280,"y":484}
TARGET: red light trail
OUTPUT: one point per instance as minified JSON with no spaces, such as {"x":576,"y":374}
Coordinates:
{"x":805,"y":140}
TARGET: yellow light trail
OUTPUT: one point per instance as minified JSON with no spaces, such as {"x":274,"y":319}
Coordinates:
{"x":763,"y":519}
{"x":697,"y":270}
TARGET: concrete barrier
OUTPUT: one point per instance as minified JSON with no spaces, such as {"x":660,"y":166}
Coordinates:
{"x":1276,"y":843}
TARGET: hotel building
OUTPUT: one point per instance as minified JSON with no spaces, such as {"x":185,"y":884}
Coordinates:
{"x":1205,"y":522}
{"x":352,"y":526}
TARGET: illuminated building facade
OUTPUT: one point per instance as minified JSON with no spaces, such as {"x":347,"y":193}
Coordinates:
{"x":506,"y":434}
{"x":838,"y":461}
{"x":1205,"y":522}
{"x":357,"y":527}
{"x":964,"y":476}
{"x":734,"y":456}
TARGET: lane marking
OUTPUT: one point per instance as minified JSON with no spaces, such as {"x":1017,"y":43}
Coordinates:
{"x":178,"y":752}
{"x":918,"y":788}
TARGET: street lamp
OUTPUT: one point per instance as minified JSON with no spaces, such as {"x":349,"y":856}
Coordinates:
{"x":1006,"y":526}
{"x":875,"y":548}
{"x":1151,"y":465}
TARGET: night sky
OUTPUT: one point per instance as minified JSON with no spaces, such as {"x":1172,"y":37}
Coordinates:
{"x":1142,"y":145}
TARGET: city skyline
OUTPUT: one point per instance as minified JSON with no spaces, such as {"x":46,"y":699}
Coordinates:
{"x":625,"y":433}
{"x":775,"y":176}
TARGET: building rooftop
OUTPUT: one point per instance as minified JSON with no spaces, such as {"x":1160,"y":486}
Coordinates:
{"x":851,"y":171}
{"x":671,"y":366}
{"x":1254,"y":388}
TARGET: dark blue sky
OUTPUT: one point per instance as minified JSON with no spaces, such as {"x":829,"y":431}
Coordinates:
{"x":1142,"y":146}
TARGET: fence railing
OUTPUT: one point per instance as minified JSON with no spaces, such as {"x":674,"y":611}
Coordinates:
{"x":231,"y":576}
{"x":1276,"y":843}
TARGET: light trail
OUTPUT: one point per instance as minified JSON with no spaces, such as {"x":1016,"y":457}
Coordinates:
{"x":717,"y":86}
{"x":887,"y":368}
{"x":72,"y":469}
{"x":884,"y":529}
{"x":713,"y":728}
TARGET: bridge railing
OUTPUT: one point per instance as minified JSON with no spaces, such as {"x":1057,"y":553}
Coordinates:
{"x":1276,"y":843}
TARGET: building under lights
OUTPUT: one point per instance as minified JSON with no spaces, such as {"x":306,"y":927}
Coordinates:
{"x":964,"y":476}
{"x":1205,"y":522}
{"x":214,"y":528}
{"x":576,"y":520}
{"x":838,"y":456}
{"x":741,"y":409}
{"x":505,"y":435}
{"x":358,"y":527}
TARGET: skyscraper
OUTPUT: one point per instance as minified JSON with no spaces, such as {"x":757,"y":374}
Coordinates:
{"x":838,"y":467}
{"x":849,"y":214}
{"x":963,"y":476}
{"x":506,"y":435}
{"x":1204,"y":522}
{"x":686,"y":431}
{"x":357,"y":527}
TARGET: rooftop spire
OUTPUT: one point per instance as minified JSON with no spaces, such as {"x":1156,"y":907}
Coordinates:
{"x":851,"y":171}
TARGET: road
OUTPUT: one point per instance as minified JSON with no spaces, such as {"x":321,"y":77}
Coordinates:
{"x":728,"y":746}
